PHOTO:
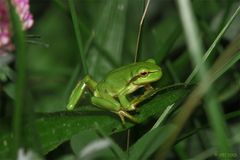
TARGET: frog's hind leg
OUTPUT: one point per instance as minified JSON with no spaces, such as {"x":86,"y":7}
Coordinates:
{"x":76,"y":94}
{"x":113,"y":105}
{"x":123,"y":114}
{"x":106,"y":103}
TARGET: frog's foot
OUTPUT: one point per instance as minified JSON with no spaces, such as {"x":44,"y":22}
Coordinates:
{"x":131,"y":107}
{"x":123,"y":114}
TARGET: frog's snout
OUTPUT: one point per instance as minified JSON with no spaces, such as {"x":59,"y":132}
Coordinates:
{"x":157,"y":75}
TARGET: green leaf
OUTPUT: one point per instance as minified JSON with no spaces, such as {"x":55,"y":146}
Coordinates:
{"x":165,"y":35}
{"x":209,"y":51}
{"x":56,"y":128}
{"x":109,"y":32}
{"x":20,"y":85}
{"x":150,"y":142}
{"x":78,"y":35}
{"x":5,"y":72}
{"x":81,"y":142}
{"x":10,"y":90}
{"x":89,"y":144}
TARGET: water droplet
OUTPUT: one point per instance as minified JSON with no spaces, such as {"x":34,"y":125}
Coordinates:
{"x":121,"y":7}
{"x":5,"y":143}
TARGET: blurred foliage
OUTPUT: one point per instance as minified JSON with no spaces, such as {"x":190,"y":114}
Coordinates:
{"x":108,"y":32}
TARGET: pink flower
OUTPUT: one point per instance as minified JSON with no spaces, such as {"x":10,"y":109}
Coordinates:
{"x":23,"y":10}
{"x":4,"y":24}
{"x":22,"y":7}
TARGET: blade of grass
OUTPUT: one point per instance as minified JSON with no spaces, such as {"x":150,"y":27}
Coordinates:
{"x":92,"y":39}
{"x":140,"y":30}
{"x":209,"y":51}
{"x":225,"y":15}
{"x":149,"y":142}
{"x":61,"y":5}
{"x":218,"y":123}
{"x":194,"y":99}
{"x":230,"y":54}
{"x":181,"y":152}
{"x":188,"y":107}
{"x":163,"y":116}
{"x":172,"y":71}
{"x":213,"y":108}
{"x":230,"y":63}
{"x":119,"y":153}
{"x":227,"y":116}
{"x":78,"y":35}
{"x":20,"y":88}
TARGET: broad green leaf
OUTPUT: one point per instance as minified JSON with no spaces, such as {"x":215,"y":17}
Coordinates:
{"x":165,"y":35}
{"x":56,"y":128}
{"x":109,"y":31}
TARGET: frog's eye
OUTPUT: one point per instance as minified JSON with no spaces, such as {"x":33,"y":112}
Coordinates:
{"x":144,"y":73}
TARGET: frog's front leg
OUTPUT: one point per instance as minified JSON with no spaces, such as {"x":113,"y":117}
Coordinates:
{"x":148,"y":87}
{"x":76,"y":94}
{"x":109,"y":103}
{"x":131,"y":105}
{"x":147,"y":94}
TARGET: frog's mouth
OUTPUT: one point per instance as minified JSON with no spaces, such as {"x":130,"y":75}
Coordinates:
{"x":154,"y":76}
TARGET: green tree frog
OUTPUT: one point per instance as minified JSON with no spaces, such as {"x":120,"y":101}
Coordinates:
{"x":111,"y":93}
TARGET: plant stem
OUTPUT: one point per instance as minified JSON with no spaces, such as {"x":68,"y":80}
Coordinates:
{"x":78,"y":35}
{"x":20,"y":85}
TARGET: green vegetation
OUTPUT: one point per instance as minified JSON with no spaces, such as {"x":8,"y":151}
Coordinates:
{"x":193,"y":114}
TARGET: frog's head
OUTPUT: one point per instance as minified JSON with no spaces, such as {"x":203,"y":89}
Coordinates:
{"x":147,"y":72}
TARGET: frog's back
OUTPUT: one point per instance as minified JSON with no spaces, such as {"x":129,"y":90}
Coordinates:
{"x":116,"y":80}
{"x":119,"y":78}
